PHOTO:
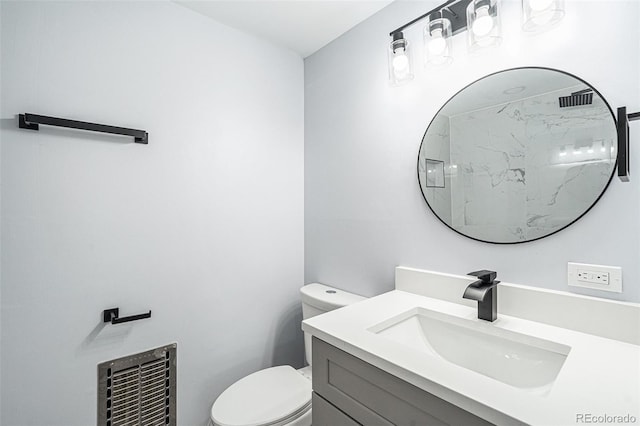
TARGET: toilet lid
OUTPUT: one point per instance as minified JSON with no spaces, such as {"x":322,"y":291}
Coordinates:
{"x":264,"y":397}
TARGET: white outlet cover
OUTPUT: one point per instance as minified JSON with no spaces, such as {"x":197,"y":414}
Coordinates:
{"x":615,"y":276}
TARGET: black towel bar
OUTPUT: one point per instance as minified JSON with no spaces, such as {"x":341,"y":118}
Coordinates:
{"x":32,"y":122}
{"x":623,"y":141}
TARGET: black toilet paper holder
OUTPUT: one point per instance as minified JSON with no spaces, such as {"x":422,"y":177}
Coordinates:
{"x":112,"y":315}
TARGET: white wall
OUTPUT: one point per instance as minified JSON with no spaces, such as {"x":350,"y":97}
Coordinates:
{"x":204,"y":225}
{"x":363,"y":210}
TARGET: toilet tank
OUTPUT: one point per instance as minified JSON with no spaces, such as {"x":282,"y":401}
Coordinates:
{"x":318,"y":299}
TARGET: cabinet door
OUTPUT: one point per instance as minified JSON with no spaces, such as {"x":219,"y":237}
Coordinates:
{"x":325,"y":414}
{"x":374,"y":397}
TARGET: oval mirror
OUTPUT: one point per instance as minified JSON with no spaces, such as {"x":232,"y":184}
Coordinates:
{"x":518,"y":155}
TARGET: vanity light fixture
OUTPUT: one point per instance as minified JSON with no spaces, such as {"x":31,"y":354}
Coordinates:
{"x":444,"y":22}
{"x":437,"y":40}
{"x":484,"y":20}
{"x":541,"y":14}
{"x":479,"y":18}
{"x":400,"y":71}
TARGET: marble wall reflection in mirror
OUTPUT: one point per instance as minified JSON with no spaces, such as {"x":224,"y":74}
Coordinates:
{"x":503,"y":162}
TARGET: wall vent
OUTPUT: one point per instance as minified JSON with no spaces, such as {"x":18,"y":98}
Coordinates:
{"x":580,"y":98}
{"x":138,"y":389}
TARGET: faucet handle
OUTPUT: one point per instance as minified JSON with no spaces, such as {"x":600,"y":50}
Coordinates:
{"x":487,"y":277}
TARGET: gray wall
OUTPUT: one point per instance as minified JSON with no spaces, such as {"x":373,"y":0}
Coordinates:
{"x":204,"y":225}
{"x":364,"y":213}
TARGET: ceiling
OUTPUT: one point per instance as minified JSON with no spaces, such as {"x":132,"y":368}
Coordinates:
{"x":303,"y":26}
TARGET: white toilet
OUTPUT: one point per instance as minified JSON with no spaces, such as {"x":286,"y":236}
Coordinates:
{"x":279,"y":396}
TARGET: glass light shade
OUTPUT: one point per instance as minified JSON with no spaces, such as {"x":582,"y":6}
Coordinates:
{"x":541,"y":14}
{"x":400,"y":66}
{"x":437,"y":42}
{"x":483,"y":21}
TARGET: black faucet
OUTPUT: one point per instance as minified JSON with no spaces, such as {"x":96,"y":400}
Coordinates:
{"x":485,"y":292}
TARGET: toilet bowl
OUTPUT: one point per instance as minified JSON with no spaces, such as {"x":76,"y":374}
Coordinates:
{"x":279,"y":396}
{"x":273,"y":396}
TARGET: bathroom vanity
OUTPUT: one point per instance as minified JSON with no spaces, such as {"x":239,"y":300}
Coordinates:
{"x":349,"y":391}
{"x":419,"y":355}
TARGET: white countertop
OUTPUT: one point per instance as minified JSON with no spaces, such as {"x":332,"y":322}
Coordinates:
{"x":600,"y":376}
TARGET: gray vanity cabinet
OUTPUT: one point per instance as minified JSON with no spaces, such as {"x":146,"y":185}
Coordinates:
{"x":348,"y":391}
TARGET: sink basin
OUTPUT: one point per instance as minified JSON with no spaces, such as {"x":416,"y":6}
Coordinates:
{"x":516,"y":359}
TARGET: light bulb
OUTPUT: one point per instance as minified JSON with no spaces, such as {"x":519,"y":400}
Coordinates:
{"x":400,"y":61}
{"x":437,"y":44}
{"x":538,"y":5}
{"x":483,"y":24}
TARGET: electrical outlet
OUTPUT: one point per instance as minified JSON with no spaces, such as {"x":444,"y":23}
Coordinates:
{"x":588,"y":276}
{"x":599,"y":277}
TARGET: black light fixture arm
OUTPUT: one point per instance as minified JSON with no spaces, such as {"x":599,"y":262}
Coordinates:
{"x":32,"y":122}
{"x":623,"y":141}
{"x":421,"y":17}
{"x":454,"y":10}
{"x":112,"y":315}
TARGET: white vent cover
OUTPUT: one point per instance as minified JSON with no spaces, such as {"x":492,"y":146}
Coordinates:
{"x":138,"y":390}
